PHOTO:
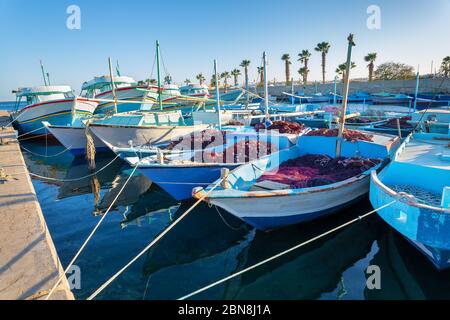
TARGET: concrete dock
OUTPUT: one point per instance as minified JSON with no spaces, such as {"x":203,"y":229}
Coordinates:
{"x":29,"y":264}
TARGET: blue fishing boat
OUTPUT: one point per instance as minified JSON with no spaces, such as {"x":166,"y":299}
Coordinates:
{"x":253,"y":192}
{"x":178,"y":171}
{"x":54,"y":104}
{"x":391,"y":98}
{"x":433,"y":120}
{"x":417,"y":181}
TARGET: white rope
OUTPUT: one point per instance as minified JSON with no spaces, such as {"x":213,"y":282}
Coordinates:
{"x":15,"y":119}
{"x":283,"y":253}
{"x":27,"y":133}
{"x":153,"y":242}
{"x":91,"y":234}
{"x":43,"y":155}
{"x":75,"y":179}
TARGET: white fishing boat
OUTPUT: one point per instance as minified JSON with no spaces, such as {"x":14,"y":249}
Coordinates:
{"x":54,"y":104}
{"x":279,"y":204}
{"x":126,"y":90}
{"x":142,"y":128}
{"x":73,"y":137}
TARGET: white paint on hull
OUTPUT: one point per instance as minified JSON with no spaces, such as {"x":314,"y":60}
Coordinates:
{"x":120,"y":136}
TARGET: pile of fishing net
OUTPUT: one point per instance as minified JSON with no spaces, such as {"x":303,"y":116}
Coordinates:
{"x":240,"y":152}
{"x":199,"y":140}
{"x":314,"y":170}
{"x":392,"y":123}
{"x":348,"y":134}
{"x":282,"y":127}
{"x":363,"y":120}
{"x":421,"y":195}
{"x":234,"y":122}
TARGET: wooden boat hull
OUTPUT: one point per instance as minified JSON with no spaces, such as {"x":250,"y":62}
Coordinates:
{"x":417,"y":165}
{"x":178,"y":181}
{"x":267,"y":209}
{"x":278,"y":211}
{"x":122,"y":136}
{"x":74,"y":139}
{"x":59,"y":112}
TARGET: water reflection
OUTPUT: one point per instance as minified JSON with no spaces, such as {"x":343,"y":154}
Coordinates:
{"x":405,"y":272}
{"x":210,"y":244}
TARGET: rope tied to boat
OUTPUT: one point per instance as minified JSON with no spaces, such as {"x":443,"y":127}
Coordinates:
{"x":75,"y":179}
{"x":154,"y":241}
{"x":91,"y":234}
{"x":359,"y":218}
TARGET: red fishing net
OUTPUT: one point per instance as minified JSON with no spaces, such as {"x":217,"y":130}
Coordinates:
{"x":314,"y":170}
{"x":282,"y":127}
{"x":242,"y":151}
{"x":199,"y":140}
{"x":392,"y":123}
{"x":349,"y":135}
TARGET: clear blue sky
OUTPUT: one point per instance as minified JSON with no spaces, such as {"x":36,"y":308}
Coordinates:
{"x":193,"y":33}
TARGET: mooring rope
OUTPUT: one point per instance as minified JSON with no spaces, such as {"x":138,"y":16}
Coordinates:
{"x":153,"y":242}
{"x":74,"y":179}
{"x":43,"y":155}
{"x":284,"y":252}
{"x":91,"y":234}
{"x":27,"y":133}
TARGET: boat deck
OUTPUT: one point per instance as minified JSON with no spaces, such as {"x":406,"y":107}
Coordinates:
{"x":428,"y":153}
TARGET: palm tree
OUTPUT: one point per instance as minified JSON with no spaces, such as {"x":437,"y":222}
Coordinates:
{"x":225,"y":76}
{"x":244,"y":64}
{"x":304,"y":73}
{"x":213,"y":81}
{"x":286,"y":58}
{"x":168,"y":79}
{"x":371,"y":57}
{"x":261,"y":75}
{"x":236,"y":73}
{"x":187,"y":81}
{"x":340,"y":70}
{"x":445,"y":66}
{"x":304,"y":58}
{"x":323,"y":47}
{"x":200,"y":77}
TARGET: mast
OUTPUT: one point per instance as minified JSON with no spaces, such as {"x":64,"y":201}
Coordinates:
{"x":266,"y":87}
{"x":292,"y":90}
{"x":159,"y":76}
{"x":113,"y":86}
{"x":345,"y":97}
{"x":335,"y":90}
{"x":216,"y":77}
{"x":416,"y":93}
{"x":43,"y":73}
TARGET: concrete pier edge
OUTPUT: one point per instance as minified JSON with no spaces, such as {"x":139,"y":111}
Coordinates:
{"x":29,"y":263}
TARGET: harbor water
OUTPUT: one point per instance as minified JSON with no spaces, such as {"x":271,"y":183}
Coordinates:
{"x":210,"y":244}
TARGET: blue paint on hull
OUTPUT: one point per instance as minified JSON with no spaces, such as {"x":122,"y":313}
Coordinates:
{"x":179,"y":181}
{"x":57,"y":120}
{"x":121,"y":107}
{"x":82,"y":151}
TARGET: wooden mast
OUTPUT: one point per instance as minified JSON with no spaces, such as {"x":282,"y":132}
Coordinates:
{"x":345,"y":97}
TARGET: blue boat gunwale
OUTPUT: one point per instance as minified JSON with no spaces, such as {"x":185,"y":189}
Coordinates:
{"x":403,"y":198}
